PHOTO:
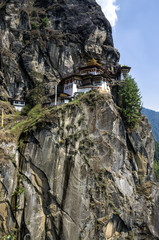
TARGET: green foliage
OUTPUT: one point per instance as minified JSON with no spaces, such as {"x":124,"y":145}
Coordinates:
{"x":82,"y":118}
{"x":37,"y":75}
{"x":35,"y":115}
{"x":11,"y":235}
{"x":156,"y":161}
{"x":156,"y":155}
{"x":21,"y":190}
{"x":156,"y":170}
{"x":34,"y":25}
{"x":36,"y":95}
{"x":34,"y":112}
{"x":69,"y":126}
{"x":18,"y":191}
{"x":32,"y":120}
{"x":25,"y":109}
{"x":130,"y":102}
{"x":21,"y":143}
{"x":45,"y":22}
{"x":89,"y":141}
{"x":16,"y":129}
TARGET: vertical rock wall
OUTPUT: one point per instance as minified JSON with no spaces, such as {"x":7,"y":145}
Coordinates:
{"x":82,"y":177}
{"x":78,"y":174}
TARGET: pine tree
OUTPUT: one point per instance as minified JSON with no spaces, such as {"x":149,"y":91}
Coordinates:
{"x":130,"y":102}
{"x":156,"y":161}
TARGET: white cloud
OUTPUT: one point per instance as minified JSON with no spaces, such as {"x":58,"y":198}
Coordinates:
{"x":110,"y":9}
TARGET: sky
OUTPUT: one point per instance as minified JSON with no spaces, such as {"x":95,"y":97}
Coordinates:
{"x":136,"y":36}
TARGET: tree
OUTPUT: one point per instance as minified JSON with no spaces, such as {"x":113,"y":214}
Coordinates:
{"x":131,"y":104}
{"x":45,"y":22}
{"x":34,"y":25}
{"x":37,"y":95}
{"x":156,"y":155}
{"x":156,"y":161}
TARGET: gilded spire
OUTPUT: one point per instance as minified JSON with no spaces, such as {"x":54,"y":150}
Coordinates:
{"x":92,"y":62}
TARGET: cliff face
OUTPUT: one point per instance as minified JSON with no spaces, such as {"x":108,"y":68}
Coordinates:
{"x":79,"y":175}
{"x":45,"y":40}
{"x":153,"y":118}
{"x":74,"y":172}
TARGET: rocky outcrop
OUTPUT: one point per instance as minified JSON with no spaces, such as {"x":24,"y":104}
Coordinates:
{"x":70,"y":172}
{"x":153,"y":118}
{"x":45,"y":40}
{"x":81,"y":176}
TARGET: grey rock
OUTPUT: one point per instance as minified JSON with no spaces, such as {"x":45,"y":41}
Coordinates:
{"x":80,"y":182}
{"x":31,"y":51}
{"x":79,"y":175}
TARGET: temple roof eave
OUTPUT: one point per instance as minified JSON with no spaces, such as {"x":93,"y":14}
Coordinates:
{"x":91,"y":66}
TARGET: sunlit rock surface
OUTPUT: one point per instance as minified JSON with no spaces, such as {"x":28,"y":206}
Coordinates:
{"x":79,"y":175}
{"x":46,"y":40}
{"x":76,"y":174}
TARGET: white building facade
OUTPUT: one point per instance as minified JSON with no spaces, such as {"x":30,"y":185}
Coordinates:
{"x":92,"y":76}
{"x":18,"y":104}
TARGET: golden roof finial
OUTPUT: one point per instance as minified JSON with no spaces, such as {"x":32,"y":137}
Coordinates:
{"x":92,"y":62}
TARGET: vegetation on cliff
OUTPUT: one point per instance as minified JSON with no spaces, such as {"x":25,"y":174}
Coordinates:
{"x":156,"y":160}
{"x":70,"y":171}
{"x":82,"y":143}
{"x":35,"y":116}
{"x":130,"y":102}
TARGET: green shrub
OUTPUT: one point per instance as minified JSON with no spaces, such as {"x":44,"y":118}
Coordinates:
{"x":11,"y":236}
{"x":156,"y":161}
{"x":156,"y":155}
{"x":21,"y":190}
{"x":37,"y":94}
{"x":34,"y":112}
{"x":156,"y":170}
{"x":35,"y":115}
{"x":69,"y":126}
{"x":89,"y":141}
{"x":25,"y":109}
{"x":34,"y":25}
{"x":45,"y":22}
{"x":18,"y":191}
{"x":81,"y":120}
